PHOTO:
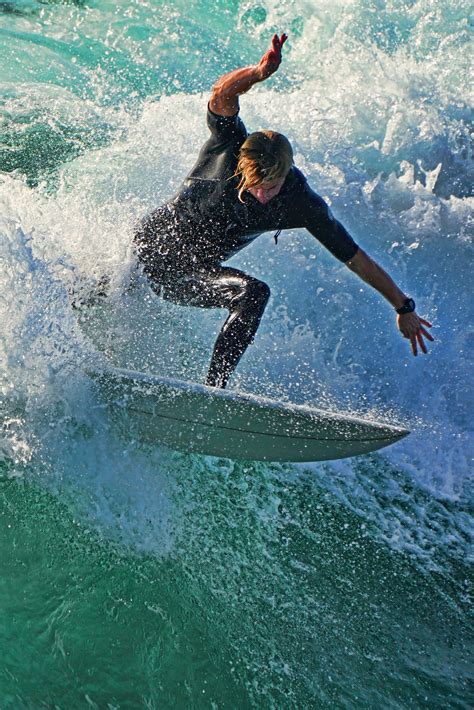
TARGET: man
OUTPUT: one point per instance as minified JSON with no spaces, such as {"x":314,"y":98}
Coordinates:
{"x":243,"y":185}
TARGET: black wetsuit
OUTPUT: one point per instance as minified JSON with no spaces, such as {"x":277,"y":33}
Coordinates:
{"x":182,"y":244}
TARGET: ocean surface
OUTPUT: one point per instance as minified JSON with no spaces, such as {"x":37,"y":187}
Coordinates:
{"x":133,"y":576}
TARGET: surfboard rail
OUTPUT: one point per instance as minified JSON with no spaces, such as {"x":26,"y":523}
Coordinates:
{"x":196,"y":418}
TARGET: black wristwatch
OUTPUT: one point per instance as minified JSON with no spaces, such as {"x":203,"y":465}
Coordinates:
{"x":408,"y":307}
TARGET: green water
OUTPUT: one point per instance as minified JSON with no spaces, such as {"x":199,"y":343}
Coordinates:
{"x":274,"y":596}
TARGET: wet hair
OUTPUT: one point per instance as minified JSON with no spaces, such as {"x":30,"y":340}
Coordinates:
{"x":264,"y":156}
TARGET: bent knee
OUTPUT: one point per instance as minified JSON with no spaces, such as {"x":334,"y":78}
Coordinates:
{"x":258,"y":292}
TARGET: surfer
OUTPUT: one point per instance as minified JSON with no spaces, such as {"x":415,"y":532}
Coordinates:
{"x":241,"y":186}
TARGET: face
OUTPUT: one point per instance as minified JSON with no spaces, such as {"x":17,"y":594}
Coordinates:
{"x":266,"y":191}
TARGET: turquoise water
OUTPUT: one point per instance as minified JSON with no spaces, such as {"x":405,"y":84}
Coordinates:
{"x":135,"y":576}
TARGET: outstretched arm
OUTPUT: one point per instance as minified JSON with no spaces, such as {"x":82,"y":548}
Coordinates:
{"x":226,"y":91}
{"x":410,"y":325}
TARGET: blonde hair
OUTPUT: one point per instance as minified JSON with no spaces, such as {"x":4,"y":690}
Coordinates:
{"x":264,"y":156}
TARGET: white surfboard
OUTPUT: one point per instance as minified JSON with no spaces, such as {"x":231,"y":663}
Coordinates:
{"x":195,"y":418}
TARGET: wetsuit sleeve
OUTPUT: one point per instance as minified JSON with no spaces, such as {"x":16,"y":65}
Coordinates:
{"x":226,"y":129}
{"x":218,"y":157}
{"x":315,"y":215}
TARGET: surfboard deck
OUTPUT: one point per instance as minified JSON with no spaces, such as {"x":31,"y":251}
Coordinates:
{"x":196,"y":418}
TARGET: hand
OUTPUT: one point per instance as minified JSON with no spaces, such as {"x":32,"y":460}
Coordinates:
{"x":411,"y":327}
{"x":271,"y":60}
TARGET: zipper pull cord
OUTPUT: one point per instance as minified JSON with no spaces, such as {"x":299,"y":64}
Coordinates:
{"x":276,"y":235}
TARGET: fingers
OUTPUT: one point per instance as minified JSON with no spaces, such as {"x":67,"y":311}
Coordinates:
{"x":426,"y":334}
{"x":417,"y":339}
{"x":411,"y":327}
{"x":272,"y":58}
{"x":278,"y":42}
{"x":421,"y":342}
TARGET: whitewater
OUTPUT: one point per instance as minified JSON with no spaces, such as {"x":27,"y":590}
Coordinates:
{"x":135,"y":576}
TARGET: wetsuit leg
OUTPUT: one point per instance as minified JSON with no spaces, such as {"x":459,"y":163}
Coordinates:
{"x":222,"y":287}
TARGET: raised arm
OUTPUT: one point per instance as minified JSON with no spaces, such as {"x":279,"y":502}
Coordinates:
{"x":410,"y":325}
{"x":226,"y":91}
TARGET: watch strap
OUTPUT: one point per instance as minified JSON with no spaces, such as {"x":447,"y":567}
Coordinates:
{"x":408,"y":307}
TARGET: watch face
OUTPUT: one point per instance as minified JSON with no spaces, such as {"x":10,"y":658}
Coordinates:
{"x":408,"y":307}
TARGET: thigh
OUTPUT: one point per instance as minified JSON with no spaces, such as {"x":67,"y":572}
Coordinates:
{"x":215,"y":287}
{"x":159,"y":245}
